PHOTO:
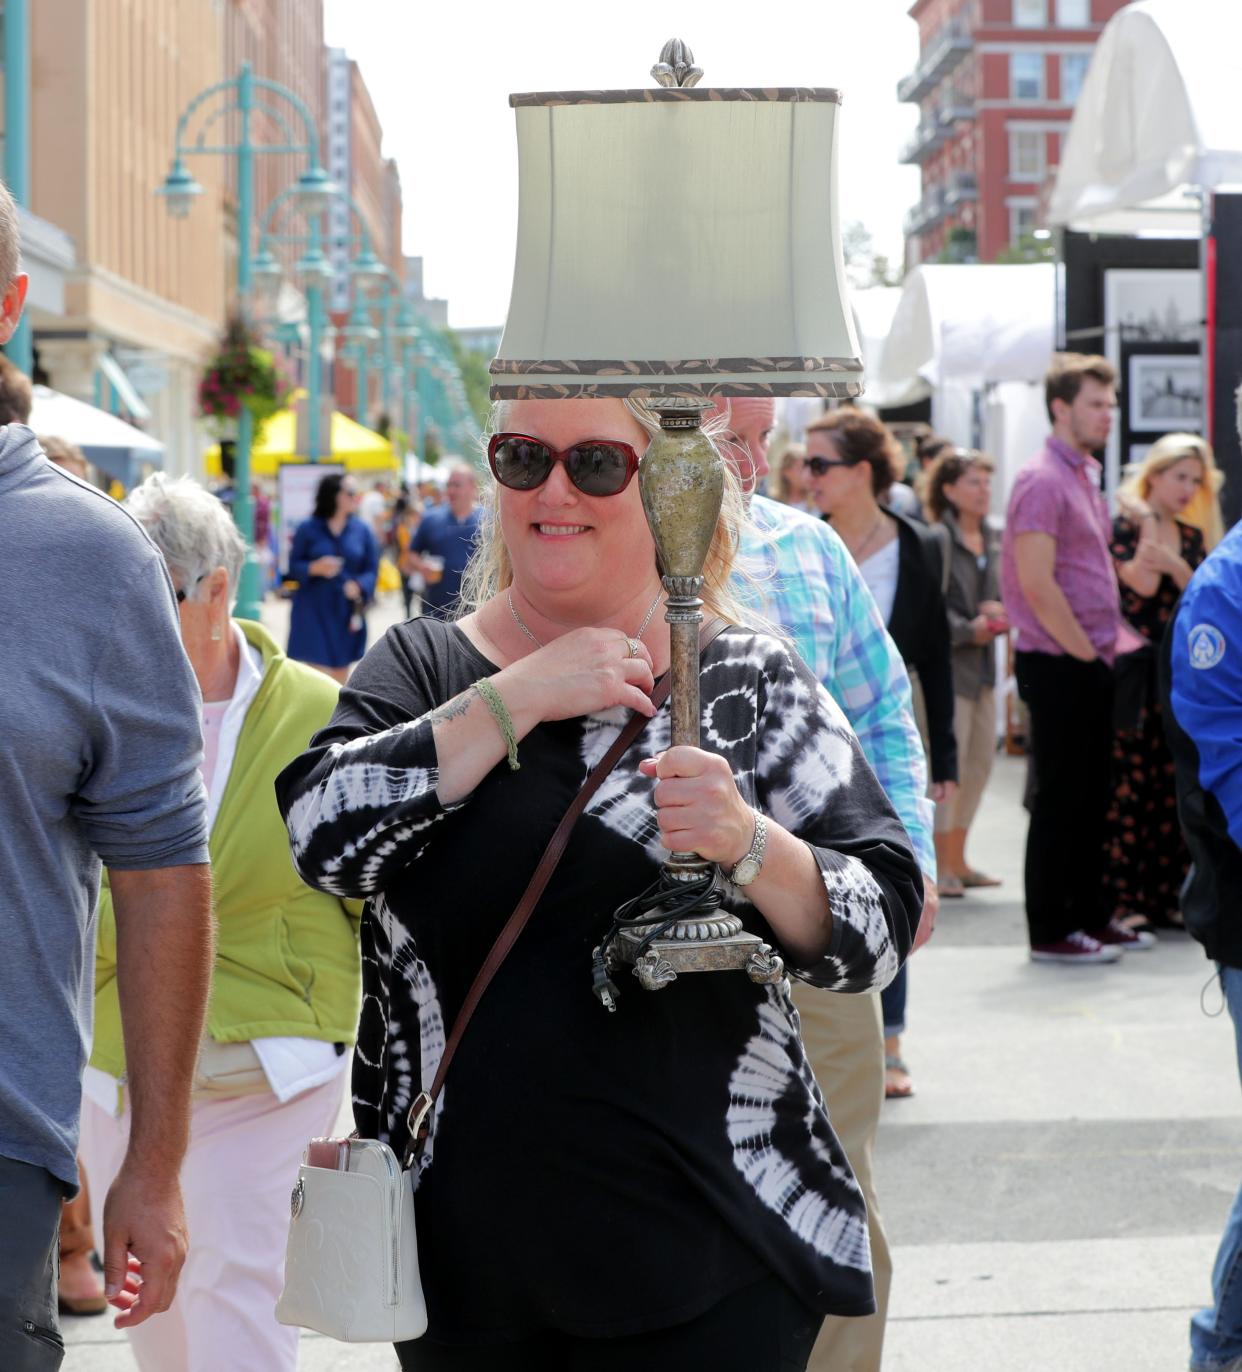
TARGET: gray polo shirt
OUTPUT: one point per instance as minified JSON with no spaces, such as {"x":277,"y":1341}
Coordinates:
{"x":99,"y":751}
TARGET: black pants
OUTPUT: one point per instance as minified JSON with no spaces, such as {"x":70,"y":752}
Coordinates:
{"x":1071,"y":739}
{"x":30,"y":1203}
{"x":762,"y":1328}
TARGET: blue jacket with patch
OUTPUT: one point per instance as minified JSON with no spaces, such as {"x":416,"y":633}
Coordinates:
{"x":1203,"y":674}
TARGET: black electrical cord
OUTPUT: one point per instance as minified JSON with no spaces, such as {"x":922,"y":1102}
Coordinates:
{"x":663,"y":904}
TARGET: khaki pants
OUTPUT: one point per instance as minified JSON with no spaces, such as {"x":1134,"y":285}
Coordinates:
{"x":844,"y":1039}
{"x":974,"y":727}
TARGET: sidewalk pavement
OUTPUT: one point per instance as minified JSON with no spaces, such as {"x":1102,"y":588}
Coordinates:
{"x":1055,"y":1191}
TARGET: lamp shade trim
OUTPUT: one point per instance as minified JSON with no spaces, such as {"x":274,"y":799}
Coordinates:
{"x":663,"y":95}
{"x":514,"y":366}
{"x":563,"y":387}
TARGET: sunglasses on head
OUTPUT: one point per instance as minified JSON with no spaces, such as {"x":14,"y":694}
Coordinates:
{"x":818,"y":466}
{"x":183,"y":595}
{"x":596,"y":466}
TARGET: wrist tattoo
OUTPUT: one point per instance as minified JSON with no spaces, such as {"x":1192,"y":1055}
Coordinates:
{"x":452,"y":709}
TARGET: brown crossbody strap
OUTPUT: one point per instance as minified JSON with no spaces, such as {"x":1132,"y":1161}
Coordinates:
{"x":419,"y":1117}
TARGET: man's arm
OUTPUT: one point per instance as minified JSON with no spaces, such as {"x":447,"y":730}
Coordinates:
{"x":1035,"y":559}
{"x":164,"y":958}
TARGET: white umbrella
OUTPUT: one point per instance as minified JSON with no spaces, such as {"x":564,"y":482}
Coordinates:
{"x":107,"y":441}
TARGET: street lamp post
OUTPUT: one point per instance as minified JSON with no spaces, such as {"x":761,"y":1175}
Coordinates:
{"x":245,"y":95}
{"x":19,"y":348}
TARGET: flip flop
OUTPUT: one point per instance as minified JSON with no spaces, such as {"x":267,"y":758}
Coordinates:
{"x":971,"y":878}
{"x":950,"y":887}
{"x":893,"y":1063}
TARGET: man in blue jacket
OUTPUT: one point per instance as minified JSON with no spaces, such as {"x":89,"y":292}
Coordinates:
{"x":1204,"y":722}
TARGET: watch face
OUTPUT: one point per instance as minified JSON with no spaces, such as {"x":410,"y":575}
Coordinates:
{"x":746,"y":871}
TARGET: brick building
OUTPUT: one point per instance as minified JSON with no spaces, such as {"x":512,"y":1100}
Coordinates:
{"x":995,"y":84}
{"x":356,"y":162}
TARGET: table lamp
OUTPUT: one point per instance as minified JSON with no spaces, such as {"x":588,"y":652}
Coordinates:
{"x":641,"y":271}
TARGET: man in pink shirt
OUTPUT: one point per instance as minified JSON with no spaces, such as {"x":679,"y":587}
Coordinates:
{"x":1060,"y":591}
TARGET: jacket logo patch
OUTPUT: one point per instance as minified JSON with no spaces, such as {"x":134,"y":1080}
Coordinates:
{"x":1207,"y":646}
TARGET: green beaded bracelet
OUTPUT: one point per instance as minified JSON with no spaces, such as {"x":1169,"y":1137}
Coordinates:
{"x":492,"y":698}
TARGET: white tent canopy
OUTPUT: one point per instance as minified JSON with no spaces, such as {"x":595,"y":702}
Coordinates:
{"x":110,"y":443}
{"x":967,"y":325}
{"x":1157,"y":117}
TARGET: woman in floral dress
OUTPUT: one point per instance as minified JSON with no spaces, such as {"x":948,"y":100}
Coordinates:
{"x":1156,"y":547}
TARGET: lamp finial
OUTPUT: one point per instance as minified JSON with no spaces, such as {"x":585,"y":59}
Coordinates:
{"x":676,"y":66}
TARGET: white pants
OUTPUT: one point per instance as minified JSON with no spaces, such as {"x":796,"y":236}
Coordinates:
{"x":238,"y":1173}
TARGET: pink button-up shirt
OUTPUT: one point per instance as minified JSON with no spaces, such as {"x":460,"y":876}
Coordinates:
{"x":1058,"y":493}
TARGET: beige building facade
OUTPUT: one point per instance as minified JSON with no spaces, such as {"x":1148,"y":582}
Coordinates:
{"x":108,"y":81}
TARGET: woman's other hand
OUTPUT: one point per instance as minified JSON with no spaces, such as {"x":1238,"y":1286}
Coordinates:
{"x":352,"y":590}
{"x":326,"y":566}
{"x":581,"y":673}
{"x":699,"y":807}
{"x":943,"y":790}
{"x":1155,"y":557}
{"x":982,"y":630}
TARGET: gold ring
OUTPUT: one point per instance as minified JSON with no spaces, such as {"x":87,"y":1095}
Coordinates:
{"x":631,"y":647}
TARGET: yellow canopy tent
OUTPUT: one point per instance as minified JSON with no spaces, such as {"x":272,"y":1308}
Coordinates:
{"x":357,"y":448}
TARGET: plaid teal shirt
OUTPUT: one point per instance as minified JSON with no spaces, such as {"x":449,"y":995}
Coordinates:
{"x":808,"y":584}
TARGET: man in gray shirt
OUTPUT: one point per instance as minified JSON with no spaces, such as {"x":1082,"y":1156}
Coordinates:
{"x":99,"y":751}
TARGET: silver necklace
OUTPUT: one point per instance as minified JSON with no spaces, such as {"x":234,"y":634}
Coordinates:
{"x":521,"y":623}
{"x":866,"y":543}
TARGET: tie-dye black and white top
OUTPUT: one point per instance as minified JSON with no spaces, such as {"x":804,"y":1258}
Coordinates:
{"x":598,"y":1174}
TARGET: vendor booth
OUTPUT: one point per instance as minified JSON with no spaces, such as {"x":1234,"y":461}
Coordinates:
{"x":1147,"y":198}
{"x":118,"y":449}
{"x":350,"y":445}
{"x":976,"y":340}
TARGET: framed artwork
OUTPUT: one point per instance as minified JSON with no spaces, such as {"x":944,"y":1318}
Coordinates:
{"x":1164,"y":392}
{"x":1138,"y":451}
{"x":1145,"y":306}
{"x":1147,"y":310}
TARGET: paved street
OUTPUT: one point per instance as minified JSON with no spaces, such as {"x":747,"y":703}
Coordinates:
{"x":1055,"y":1191}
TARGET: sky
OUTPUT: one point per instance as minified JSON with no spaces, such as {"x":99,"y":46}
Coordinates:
{"x":440,"y":73}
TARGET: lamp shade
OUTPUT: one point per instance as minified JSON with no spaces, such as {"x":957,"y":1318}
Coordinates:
{"x":678,"y":242}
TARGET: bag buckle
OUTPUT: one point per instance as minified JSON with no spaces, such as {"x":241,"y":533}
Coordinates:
{"x":418,"y":1122}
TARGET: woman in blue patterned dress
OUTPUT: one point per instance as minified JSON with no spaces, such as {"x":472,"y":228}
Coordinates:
{"x":335,"y":560}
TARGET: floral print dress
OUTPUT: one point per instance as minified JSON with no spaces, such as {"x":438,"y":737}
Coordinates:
{"x":1146,"y":857}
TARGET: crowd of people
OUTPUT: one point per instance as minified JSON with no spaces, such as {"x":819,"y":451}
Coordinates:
{"x":232,"y":872}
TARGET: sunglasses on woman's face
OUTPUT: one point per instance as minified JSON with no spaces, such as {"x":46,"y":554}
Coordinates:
{"x":596,"y":466}
{"x":819,"y":466}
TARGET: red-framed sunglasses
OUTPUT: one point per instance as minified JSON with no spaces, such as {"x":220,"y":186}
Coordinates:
{"x":596,"y":466}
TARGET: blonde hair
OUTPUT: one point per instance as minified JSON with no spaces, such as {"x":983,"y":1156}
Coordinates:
{"x":794,"y":452}
{"x":490,"y":570}
{"x":1203,"y":512}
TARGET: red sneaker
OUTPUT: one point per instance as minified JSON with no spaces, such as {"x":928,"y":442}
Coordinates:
{"x":1117,"y":935}
{"x":1076,"y":947}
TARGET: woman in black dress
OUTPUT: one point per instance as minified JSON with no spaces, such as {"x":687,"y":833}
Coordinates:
{"x":1156,"y":550}
{"x":661,"y":1187}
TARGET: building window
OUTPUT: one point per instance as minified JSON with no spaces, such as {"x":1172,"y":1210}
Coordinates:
{"x":1073,"y":73}
{"x":1026,"y":155}
{"x":1021,"y":219}
{"x":1073,"y":14}
{"x":1030,"y":14}
{"x":1026,"y":75}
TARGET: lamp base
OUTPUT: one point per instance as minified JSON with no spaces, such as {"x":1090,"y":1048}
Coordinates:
{"x":677,"y":927}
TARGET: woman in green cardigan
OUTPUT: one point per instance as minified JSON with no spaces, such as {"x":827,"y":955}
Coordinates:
{"x":286,"y":985}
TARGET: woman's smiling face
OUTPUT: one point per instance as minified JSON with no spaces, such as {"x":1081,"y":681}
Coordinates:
{"x":560,"y":541}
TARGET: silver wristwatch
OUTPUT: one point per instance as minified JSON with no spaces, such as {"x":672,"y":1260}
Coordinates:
{"x":744,"y":871}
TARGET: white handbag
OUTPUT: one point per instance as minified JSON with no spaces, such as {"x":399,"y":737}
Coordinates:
{"x":351,"y":1267}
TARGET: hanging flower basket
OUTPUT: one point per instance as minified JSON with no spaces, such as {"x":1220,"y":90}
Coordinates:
{"x":243,"y":375}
